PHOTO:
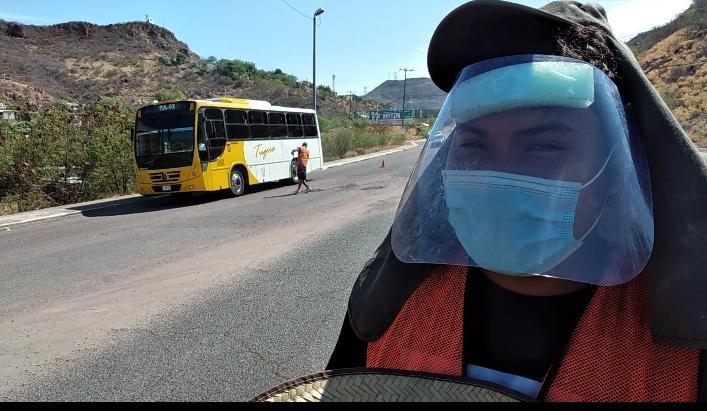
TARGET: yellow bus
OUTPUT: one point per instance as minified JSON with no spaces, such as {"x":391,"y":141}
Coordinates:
{"x":220,"y":144}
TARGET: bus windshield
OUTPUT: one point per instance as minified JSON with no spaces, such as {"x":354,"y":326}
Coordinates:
{"x":164,"y":137}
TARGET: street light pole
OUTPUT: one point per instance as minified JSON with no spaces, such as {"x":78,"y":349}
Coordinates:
{"x":314,"y":57}
{"x":350,"y":106}
{"x":402,"y":115}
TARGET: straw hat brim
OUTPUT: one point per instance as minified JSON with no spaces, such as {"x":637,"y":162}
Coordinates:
{"x":378,"y":385}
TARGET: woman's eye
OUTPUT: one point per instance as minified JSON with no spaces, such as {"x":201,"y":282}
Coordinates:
{"x":546,"y":148}
{"x":473,"y":145}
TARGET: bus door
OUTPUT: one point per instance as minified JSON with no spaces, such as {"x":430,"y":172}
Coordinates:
{"x":212,"y":143}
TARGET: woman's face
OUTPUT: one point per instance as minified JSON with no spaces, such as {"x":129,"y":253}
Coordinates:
{"x":551,"y":143}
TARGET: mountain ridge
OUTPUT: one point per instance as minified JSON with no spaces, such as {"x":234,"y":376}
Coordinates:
{"x":421,"y":93}
{"x":132,"y":62}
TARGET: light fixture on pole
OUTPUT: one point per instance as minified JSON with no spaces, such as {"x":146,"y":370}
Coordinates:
{"x":314,"y":57}
{"x":402,"y":115}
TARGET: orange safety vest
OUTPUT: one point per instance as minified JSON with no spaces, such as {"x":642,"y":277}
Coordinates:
{"x":611,"y":356}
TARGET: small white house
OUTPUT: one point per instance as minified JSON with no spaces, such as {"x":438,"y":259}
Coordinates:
{"x":7,"y":115}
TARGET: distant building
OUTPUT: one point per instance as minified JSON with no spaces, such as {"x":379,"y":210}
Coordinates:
{"x":7,"y":115}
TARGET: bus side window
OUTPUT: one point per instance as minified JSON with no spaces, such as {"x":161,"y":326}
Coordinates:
{"x":215,"y":132}
{"x":258,"y":121}
{"x":237,"y":125}
{"x":310,"y":125}
{"x":278,"y":127}
{"x":294,"y":125}
{"x":201,"y":138}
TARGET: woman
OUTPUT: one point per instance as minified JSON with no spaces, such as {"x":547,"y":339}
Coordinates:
{"x":550,"y":239}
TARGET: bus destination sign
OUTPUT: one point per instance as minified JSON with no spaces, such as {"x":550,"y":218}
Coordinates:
{"x":166,"y":108}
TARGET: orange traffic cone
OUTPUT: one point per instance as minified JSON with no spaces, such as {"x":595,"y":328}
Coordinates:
{"x":383,"y":163}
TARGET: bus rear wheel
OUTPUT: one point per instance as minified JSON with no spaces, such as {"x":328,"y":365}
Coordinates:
{"x":237,"y":183}
{"x":293,"y":173}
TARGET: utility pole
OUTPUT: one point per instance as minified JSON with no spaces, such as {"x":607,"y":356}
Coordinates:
{"x":333,"y":83}
{"x":402,"y":115}
{"x":350,"y":105}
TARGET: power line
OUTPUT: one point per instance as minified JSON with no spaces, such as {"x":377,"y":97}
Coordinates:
{"x":297,"y":11}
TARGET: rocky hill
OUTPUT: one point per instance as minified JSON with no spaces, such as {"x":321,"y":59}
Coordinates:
{"x":80,"y":61}
{"x":421,"y":93}
{"x":674,"y":57}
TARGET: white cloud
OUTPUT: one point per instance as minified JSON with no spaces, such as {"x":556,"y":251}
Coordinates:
{"x":631,"y":17}
{"x":23,"y":18}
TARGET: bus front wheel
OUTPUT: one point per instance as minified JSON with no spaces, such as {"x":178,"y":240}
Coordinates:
{"x":237,"y":183}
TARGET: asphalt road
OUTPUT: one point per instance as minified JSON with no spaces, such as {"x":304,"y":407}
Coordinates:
{"x":216,"y":299}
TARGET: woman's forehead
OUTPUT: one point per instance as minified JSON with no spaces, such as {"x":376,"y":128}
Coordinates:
{"x":529,"y":117}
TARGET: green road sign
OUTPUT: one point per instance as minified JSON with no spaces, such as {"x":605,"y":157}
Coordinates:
{"x":388,"y":116}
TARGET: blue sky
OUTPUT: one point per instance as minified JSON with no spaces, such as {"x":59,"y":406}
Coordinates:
{"x":362,"y":42}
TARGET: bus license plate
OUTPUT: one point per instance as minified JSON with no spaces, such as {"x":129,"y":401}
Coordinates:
{"x":166,"y":188}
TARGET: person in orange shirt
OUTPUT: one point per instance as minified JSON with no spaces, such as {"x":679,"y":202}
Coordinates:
{"x":302,"y":159}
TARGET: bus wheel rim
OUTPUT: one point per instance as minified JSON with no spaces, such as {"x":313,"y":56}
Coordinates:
{"x":236,"y":182}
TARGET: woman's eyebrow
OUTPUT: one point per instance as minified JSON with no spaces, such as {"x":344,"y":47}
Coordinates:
{"x":469,"y":129}
{"x":554,"y":126}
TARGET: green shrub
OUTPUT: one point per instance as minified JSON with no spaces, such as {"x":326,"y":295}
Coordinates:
{"x":330,"y":123}
{"x":163,"y":95}
{"x":235,"y":68}
{"x":63,"y":156}
{"x":342,"y":141}
{"x":174,"y":60}
{"x":326,"y":90}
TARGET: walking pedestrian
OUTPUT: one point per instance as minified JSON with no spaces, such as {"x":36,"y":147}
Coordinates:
{"x":302,"y":160}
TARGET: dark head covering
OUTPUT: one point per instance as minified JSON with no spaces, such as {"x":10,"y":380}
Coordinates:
{"x":485,"y":29}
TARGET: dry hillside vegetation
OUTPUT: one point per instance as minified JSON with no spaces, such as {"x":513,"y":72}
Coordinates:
{"x":674,"y":58}
{"x":677,"y":67}
{"x":131,"y":62}
{"x":33,"y":97}
{"x":82,"y":62}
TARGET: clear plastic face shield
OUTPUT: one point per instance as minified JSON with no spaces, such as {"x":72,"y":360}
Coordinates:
{"x":530,"y":169}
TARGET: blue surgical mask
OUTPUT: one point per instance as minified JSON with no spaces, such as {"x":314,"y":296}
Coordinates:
{"x":514,"y":224}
